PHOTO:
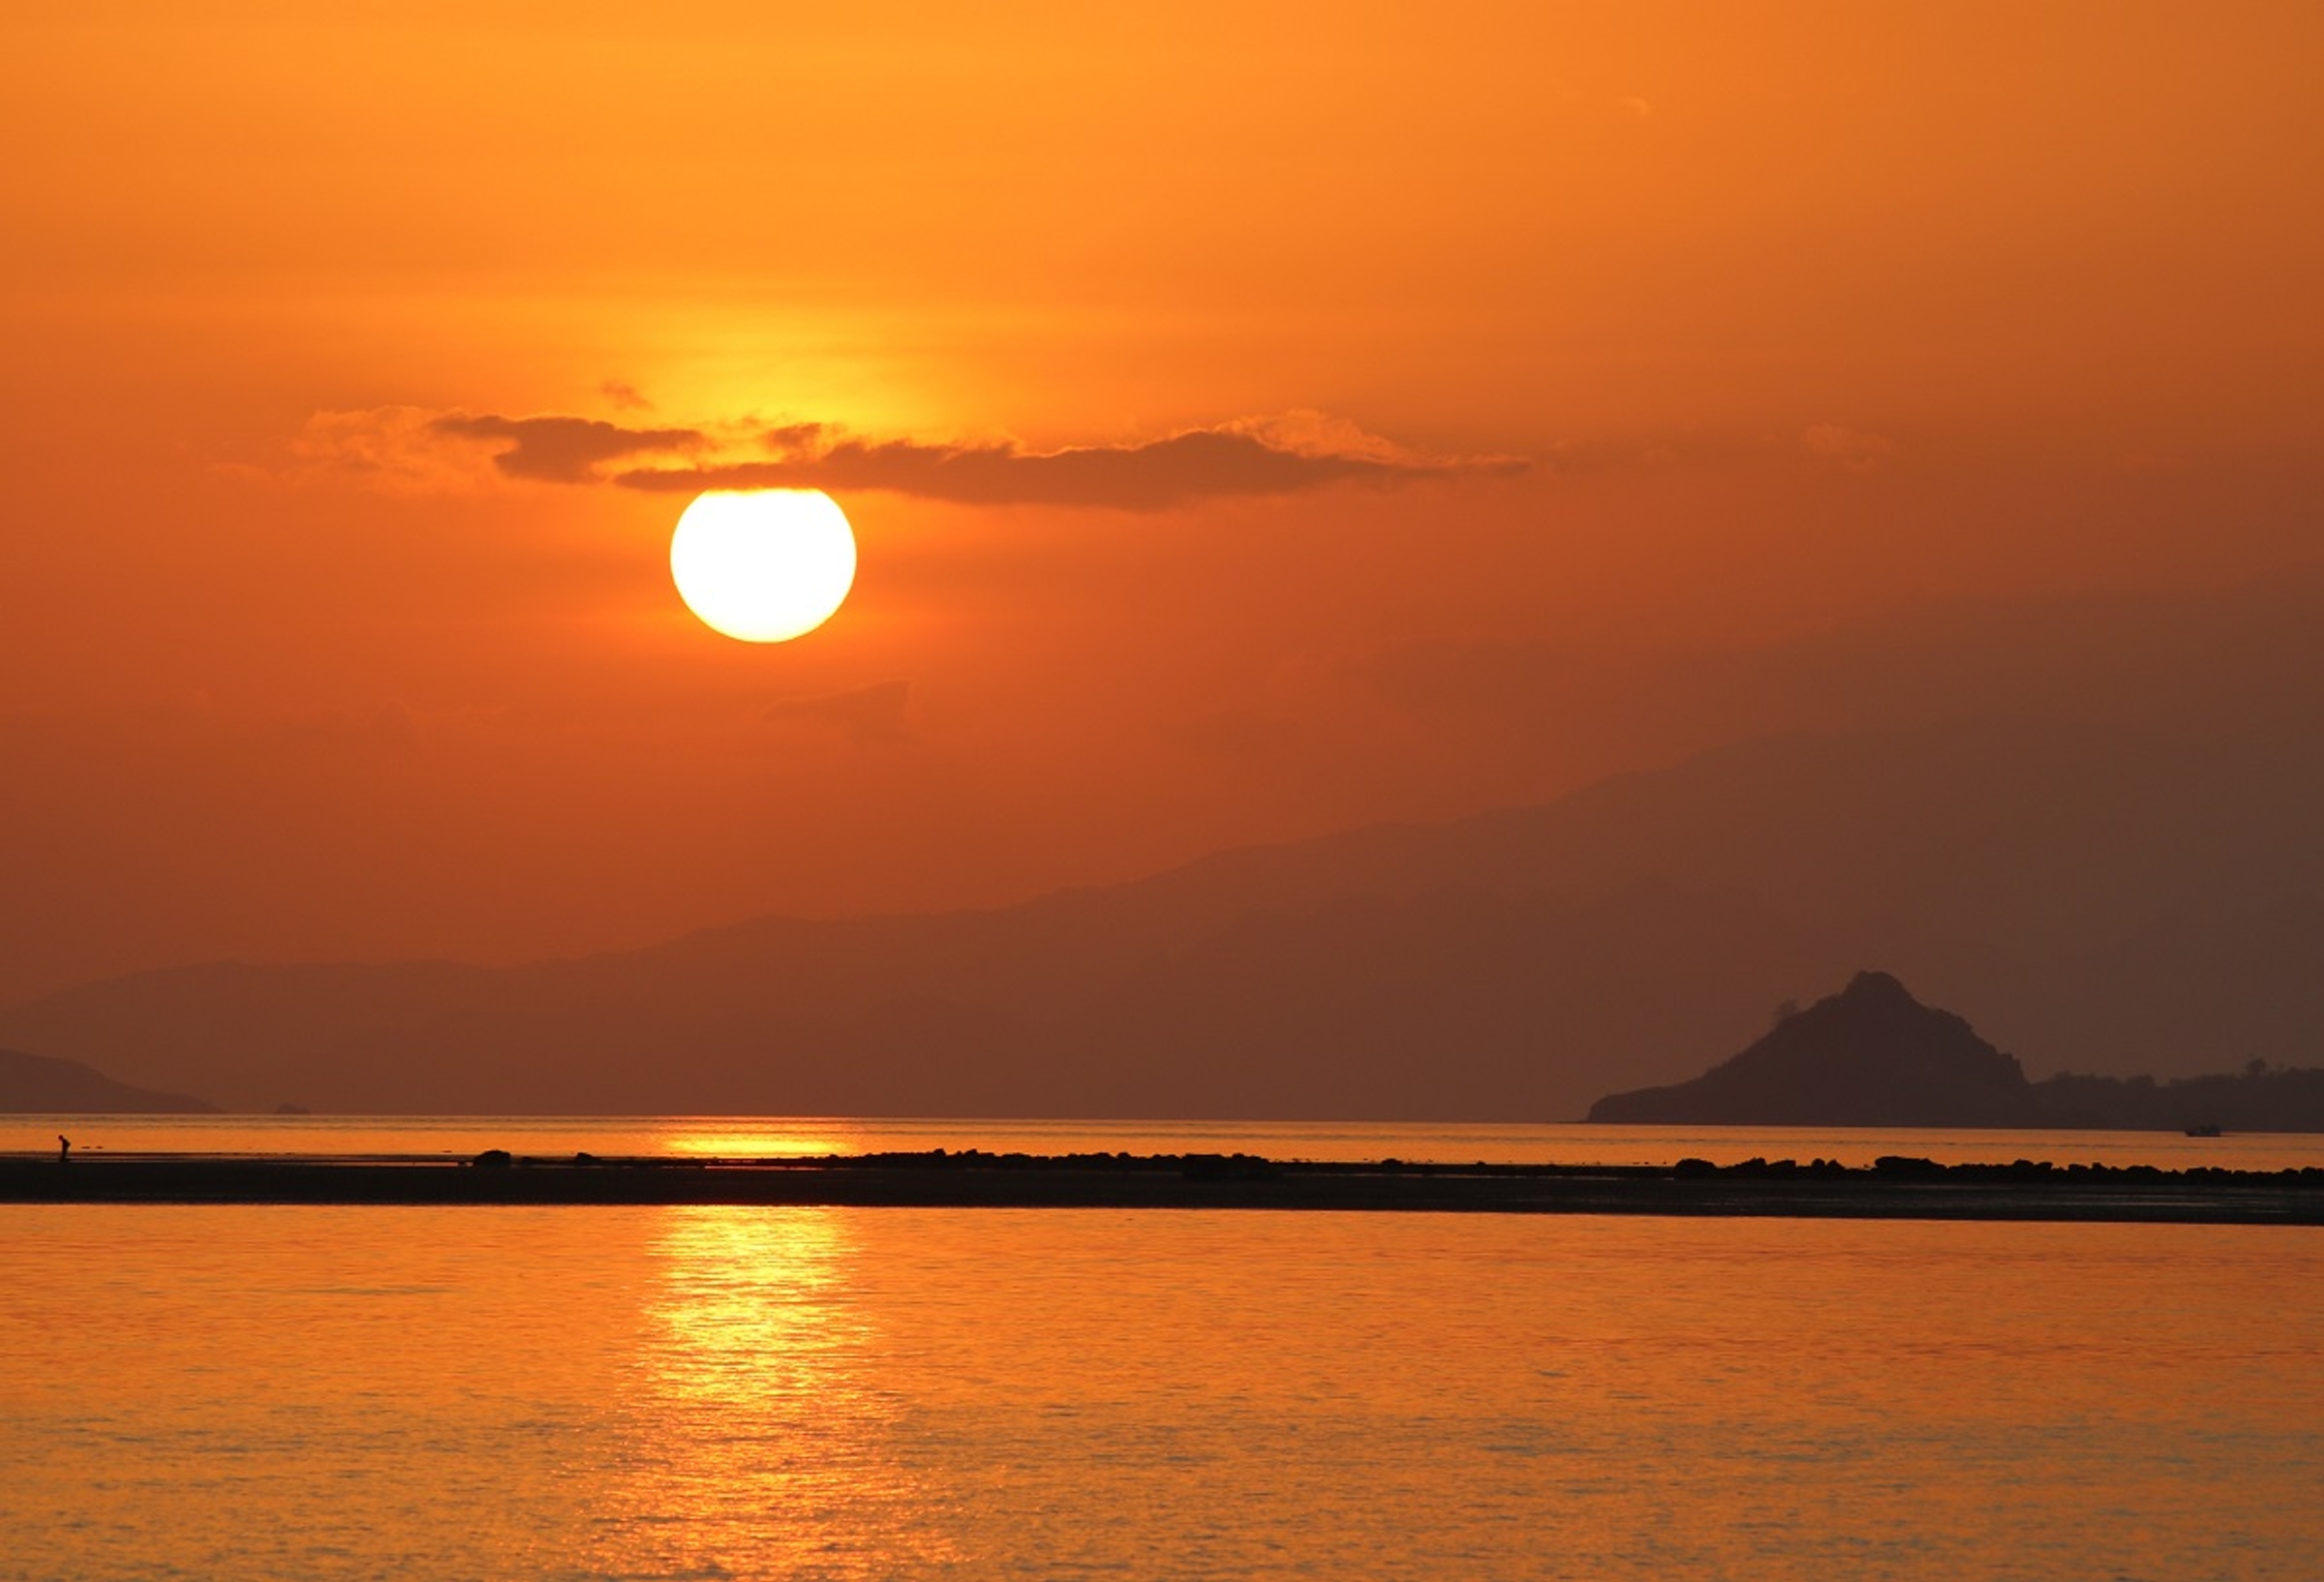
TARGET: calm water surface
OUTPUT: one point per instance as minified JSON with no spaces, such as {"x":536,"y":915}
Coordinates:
{"x":281,"y":1392}
{"x":463,"y":1136}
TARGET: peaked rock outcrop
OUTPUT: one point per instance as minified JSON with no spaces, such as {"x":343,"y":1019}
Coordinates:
{"x":1871,"y":1055}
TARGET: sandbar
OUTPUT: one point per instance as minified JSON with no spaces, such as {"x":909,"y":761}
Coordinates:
{"x":1893,"y":1188}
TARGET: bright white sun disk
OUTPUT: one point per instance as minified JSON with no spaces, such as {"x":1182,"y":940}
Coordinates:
{"x":763,"y":566}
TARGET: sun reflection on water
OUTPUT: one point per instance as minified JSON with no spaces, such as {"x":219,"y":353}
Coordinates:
{"x":790,"y":1142}
{"x":756,"y":1444}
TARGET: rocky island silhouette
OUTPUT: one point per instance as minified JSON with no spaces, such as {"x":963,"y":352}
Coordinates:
{"x":1874,"y":1056}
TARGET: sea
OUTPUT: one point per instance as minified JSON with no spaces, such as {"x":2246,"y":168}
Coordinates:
{"x":300,"y":1391}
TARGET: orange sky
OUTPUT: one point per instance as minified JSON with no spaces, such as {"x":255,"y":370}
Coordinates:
{"x":1454,"y":391}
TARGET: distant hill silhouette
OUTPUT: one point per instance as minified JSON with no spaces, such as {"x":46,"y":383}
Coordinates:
{"x":1872,"y":1055}
{"x":2254,"y":1100}
{"x":2108,"y":901}
{"x":31,"y":1084}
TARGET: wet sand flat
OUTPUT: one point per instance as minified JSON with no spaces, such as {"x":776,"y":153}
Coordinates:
{"x":1894,"y":1189}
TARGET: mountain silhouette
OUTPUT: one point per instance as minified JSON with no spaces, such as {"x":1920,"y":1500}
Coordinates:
{"x":1871,"y":1055}
{"x":2110,"y":900}
{"x":32,"y":1084}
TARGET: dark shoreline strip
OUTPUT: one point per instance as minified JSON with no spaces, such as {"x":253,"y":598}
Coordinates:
{"x":1895,"y":1188}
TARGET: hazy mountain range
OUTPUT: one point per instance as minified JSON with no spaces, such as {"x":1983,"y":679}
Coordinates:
{"x":31,"y":1084}
{"x":2100,"y":898}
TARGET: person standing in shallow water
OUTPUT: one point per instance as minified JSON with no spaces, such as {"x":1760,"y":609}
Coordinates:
{"x":64,"y":1149}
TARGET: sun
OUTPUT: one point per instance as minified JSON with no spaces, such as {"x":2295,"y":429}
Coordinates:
{"x":763,"y":566}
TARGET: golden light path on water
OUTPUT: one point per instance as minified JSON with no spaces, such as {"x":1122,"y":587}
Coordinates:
{"x":754,"y":1434}
{"x":779,"y":1141}
{"x":270,"y":1393}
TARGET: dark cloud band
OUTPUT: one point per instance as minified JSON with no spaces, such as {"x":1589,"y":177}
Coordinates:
{"x":556,"y":449}
{"x":1204,"y":464}
{"x":1157,"y":474}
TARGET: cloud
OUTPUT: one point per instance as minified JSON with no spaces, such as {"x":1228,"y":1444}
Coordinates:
{"x":557,"y":450}
{"x":413,"y":450}
{"x":410,"y":451}
{"x":1240,"y":735}
{"x":395,"y":450}
{"x":390,"y":729}
{"x":1850,"y":448}
{"x":874,"y":713}
{"x":795,"y":436}
{"x":1441,"y":677}
{"x":1303,"y":450}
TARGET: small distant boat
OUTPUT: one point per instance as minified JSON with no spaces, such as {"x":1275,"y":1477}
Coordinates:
{"x":2207,"y":1129}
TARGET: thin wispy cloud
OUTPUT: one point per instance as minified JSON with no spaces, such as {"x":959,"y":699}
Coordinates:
{"x":406,"y":449}
{"x":1849,"y":447}
{"x":559,"y":449}
{"x":1157,"y":474}
{"x":873,"y":713}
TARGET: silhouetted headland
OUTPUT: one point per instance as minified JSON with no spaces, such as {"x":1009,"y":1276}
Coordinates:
{"x":1892,"y":1188}
{"x":34,"y":1084}
{"x":1873,"y":1056}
